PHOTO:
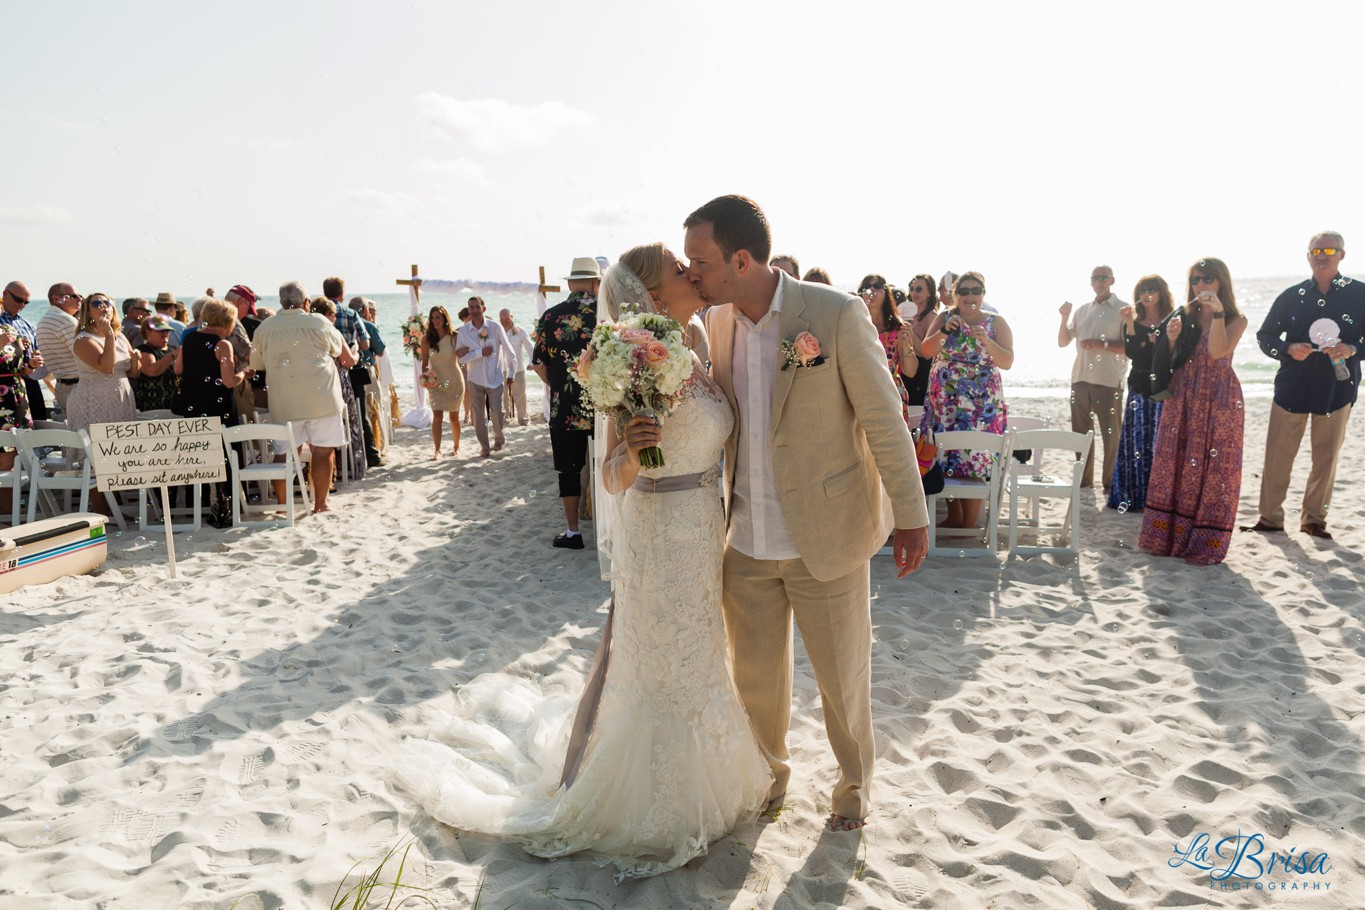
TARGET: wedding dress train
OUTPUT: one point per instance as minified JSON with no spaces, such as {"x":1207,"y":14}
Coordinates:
{"x":670,"y":763}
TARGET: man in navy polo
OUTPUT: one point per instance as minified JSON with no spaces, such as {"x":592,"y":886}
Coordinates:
{"x":1316,"y":383}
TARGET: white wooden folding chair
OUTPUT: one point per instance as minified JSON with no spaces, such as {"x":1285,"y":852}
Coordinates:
{"x":1031,"y":468}
{"x":994,"y":445}
{"x":288,"y":470}
{"x":16,"y":477}
{"x":1043,"y":486}
{"x":56,"y":473}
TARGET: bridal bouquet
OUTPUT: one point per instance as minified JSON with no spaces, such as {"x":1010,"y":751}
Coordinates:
{"x":429,"y":379}
{"x":636,"y":366}
{"x":414,"y":330}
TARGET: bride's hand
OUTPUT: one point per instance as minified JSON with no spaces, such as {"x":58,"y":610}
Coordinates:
{"x":641,"y":433}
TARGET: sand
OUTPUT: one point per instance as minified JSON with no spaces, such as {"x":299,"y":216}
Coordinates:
{"x":1048,"y":728}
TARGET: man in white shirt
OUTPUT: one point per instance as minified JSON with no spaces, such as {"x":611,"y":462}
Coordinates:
{"x":520,"y":340}
{"x":1098,"y":374}
{"x":819,"y":436}
{"x":485,"y":345}
{"x":55,"y":336}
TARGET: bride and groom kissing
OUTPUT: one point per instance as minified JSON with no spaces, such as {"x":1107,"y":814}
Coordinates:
{"x":667,"y":750}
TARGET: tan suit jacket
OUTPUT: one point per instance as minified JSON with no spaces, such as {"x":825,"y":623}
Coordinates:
{"x":838,"y":437}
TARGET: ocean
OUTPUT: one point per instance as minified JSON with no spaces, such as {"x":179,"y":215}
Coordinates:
{"x":1041,"y":369}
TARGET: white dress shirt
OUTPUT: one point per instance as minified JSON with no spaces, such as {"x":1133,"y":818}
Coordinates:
{"x":485,"y":371}
{"x":520,"y":340}
{"x":758,"y":528}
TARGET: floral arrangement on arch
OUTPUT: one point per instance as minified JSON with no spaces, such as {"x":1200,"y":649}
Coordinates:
{"x":414,"y":330}
{"x":636,"y":366}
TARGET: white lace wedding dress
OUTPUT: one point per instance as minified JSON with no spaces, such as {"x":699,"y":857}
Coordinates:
{"x":670,"y":764}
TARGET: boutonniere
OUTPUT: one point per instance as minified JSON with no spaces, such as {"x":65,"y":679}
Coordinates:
{"x":483,"y":334}
{"x":801,"y":351}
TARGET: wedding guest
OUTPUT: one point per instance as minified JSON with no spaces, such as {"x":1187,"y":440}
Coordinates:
{"x":355,"y":434}
{"x":918,"y":315}
{"x":467,"y":403}
{"x":882,"y":310}
{"x":1097,"y":372}
{"x":243,"y":302}
{"x":12,"y":302}
{"x":1197,"y":466}
{"x":562,"y":334}
{"x":209,"y":371}
{"x":1141,"y":415}
{"x":348,"y":324}
{"x":970,"y":347}
{"x":135,"y":310}
{"x":488,"y":350}
{"x":297,"y":348}
{"x":369,"y":358}
{"x":154,"y":389}
{"x":104,"y":364}
{"x":787,"y":264}
{"x":1309,"y":387}
{"x":446,"y":393}
{"x":818,"y":276}
{"x":55,"y":336}
{"x":15,"y":355}
{"x":520,"y":340}
{"x":174,"y":311}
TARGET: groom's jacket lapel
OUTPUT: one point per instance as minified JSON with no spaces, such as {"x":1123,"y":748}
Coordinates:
{"x":793,"y":324}
{"x":720,"y":322}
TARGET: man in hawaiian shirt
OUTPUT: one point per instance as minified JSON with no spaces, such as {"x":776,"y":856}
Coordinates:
{"x":561,"y":335}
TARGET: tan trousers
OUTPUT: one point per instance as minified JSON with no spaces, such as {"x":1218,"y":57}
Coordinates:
{"x":761,"y":597}
{"x":514,"y":405}
{"x":1282,"y":440}
{"x":1105,"y":403}
{"x":486,"y":401}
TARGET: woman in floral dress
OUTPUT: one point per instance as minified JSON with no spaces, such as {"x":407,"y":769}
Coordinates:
{"x":970,"y":347}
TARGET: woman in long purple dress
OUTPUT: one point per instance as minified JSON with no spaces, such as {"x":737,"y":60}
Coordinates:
{"x":1196,"y":474}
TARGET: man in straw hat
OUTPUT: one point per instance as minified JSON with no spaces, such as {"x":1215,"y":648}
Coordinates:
{"x":165,"y":305}
{"x":561,"y":335}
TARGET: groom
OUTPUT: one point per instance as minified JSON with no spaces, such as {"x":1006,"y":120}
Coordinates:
{"x":819,"y":434}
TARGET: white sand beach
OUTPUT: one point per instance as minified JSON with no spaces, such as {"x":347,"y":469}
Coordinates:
{"x":1048,"y":729}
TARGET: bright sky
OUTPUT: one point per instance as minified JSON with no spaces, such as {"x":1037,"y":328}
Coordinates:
{"x":174,"y":146}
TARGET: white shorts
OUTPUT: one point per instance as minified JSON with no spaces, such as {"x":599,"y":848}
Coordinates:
{"x":326,"y":432}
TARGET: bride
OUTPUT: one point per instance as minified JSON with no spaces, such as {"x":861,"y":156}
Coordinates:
{"x":656,"y":760}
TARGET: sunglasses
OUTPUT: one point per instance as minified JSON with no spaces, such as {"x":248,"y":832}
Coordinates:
{"x":100,"y":304}
{"x":872,"y":289}
{"x":22,"y":301}
{"x":1101,"y":278}
{"x":1324,"y":251}
{"x":970,"y":292}
{"x":1201,"y":279}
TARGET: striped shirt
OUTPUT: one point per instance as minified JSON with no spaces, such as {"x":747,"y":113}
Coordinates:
{"x":56,"y":339}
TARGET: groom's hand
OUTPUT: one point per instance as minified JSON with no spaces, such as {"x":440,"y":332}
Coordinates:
{"x":909,"y":546}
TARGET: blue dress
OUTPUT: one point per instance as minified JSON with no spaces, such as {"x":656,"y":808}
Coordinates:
{"x":1141,"y":415}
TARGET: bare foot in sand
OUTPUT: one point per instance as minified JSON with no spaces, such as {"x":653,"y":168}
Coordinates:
{"x":322,"y":509}
{"x":839,"y":823}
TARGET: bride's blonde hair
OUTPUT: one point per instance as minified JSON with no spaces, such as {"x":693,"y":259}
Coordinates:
{"x":646,"y":262}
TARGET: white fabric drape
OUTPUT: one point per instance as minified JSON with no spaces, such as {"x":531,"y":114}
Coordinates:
{"x":420,"y":416}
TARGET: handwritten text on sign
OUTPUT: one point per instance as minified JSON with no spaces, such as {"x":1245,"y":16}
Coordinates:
{"x":155,"y":453}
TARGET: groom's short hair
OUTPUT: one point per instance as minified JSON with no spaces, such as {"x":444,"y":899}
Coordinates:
{"x":737,"y":223}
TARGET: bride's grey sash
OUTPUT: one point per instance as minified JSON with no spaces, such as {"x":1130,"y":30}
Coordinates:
{"x":587,"y":705}
{"x":674,"y":484}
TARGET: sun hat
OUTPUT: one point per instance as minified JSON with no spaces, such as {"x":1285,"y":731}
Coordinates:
{"x":584,"y":268}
